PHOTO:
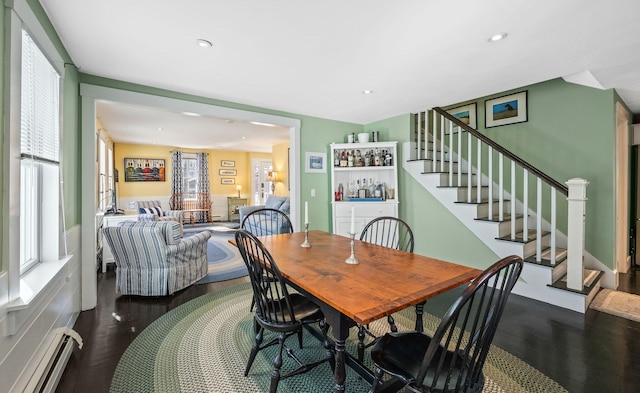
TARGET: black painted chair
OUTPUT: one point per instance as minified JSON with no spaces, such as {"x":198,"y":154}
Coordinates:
{"x":388,"y":232}
{"x":394,"y":233}
{"x":451,"y":360}
{"x":266,"y":222}
{"x":278,"y":311}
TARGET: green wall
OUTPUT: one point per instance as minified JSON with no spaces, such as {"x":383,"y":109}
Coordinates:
{"x":570,"y":133}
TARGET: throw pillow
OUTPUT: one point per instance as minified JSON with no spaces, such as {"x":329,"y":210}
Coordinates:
{"x":273,"y":202}
{"x":152,"y":210}
{"x":286,"y":207}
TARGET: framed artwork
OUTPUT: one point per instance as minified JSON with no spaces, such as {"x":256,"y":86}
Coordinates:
{"x":506,"y":110}
{"x":144,"y":169}
{"x":316,"y":162}
{"x":227,"y":172}
{"x":227,"y":163}
{"x":229,"y":180}
{"x":466,"y":114}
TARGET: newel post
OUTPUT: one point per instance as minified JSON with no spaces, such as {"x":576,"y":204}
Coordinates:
{"x":577,"y":201}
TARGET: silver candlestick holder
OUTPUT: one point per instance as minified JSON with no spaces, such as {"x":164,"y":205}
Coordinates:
{"x":306,"y":243}
{"x":352,"y":260}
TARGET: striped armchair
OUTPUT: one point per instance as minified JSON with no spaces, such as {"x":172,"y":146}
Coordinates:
{"x":152,"y":258}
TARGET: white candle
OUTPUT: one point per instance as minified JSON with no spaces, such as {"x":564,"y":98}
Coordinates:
{"x":353,"y":220}
{"x":306,"y":213}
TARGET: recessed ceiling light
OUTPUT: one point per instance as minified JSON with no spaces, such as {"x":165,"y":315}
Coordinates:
{"x":497,"y":37}
{"x":367,"y":91}
{"x":160,"y":129}
{"x":204,"y":43}
{"x":259,"y":123}
{"x":191,"y":114}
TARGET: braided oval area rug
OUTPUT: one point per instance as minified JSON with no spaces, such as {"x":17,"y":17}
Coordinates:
{"x":203,"y":346}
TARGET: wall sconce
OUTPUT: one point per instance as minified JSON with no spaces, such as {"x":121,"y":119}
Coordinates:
{"x":272,"y":177}
{"x":238,"y":187}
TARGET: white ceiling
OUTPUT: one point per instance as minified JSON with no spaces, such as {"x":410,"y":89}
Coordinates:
{"x":316,"y":58}
{"x":144,"y":125}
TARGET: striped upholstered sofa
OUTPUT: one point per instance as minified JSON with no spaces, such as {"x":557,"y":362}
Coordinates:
{"x":152,"y":211}
{"x":152,"y":258}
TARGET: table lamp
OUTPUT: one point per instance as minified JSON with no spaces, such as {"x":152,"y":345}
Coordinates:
{"x":272,"y":177}
{"x":238,"y":187}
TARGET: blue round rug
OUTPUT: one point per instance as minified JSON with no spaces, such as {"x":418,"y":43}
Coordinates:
{"x":225,"y":262}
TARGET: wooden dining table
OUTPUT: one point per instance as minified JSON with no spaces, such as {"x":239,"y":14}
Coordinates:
{"x":384,"y":281}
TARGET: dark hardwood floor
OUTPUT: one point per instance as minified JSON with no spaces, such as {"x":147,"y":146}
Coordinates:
{"x":591,"y":352}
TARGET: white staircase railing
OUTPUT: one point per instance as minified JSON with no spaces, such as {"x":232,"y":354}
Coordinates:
{"x":513,"y":190}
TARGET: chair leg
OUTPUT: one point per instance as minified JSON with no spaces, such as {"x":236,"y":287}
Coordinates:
{"x":300,"y":338}
{"x":277,"y":363}
{"x":254,"y":349}
{"x":361,"y":335}
{"x":392,"y":323}
{"x":377,"y":377}
{"x":419,"y":313}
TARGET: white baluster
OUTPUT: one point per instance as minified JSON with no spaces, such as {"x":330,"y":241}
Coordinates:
{"x":479,"y":170}
{"x":460,"y":158}
{"x":419,"y":132}
{"x":490,"y":158}
{"x":539,"y":221}
{"x":450,"y":153}
{"x":513,"y":200}
{"x":501,"y":187}
{"x":553,"y":226}
{"x":433,"y":142}
{"x":525,"y":202}
{"x":469,"y":164}
{"x":443,"y":125}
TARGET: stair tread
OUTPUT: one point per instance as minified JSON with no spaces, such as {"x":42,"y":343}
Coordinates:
{"x":545,"y":257}
{"x":594,"y":278}
{"x":482,"y":201}
{"x":461,"y":186}
{"x":495,"y":218}
{"x":531,"y":236}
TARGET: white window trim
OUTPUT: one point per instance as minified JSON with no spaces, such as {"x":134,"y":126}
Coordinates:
{"x":22,"y":291}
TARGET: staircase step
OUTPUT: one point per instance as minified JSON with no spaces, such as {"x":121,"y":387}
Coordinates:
{"x":545,"y":258}
{"x":591,"y":279}
{"x":496,"y":217}
{"x":519,"y":238}
{"x":484,"y":201}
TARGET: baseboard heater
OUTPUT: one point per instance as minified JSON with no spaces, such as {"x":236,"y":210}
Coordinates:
{"x":52,"y":364}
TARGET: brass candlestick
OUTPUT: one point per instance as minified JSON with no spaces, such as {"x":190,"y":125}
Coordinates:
{"x":306,"y":243}
{"x":352,"y":260}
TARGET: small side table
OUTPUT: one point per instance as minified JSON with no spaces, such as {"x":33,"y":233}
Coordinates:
{"x":234,"y":204}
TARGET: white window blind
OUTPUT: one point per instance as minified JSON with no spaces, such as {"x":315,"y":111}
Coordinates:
{"x":39,"y":104}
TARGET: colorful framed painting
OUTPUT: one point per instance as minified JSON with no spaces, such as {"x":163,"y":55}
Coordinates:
{"x":505,"y":110}
{"x":466,"y":114}
{"x":144,"y":169}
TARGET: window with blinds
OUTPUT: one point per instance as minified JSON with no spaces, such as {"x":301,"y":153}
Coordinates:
{"x":39,"y":149}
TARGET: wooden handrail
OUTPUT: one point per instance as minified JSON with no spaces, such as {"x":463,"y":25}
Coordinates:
{"x":546,"y":178}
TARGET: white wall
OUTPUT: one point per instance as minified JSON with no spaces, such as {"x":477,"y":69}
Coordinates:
{"x":58,"y":305}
